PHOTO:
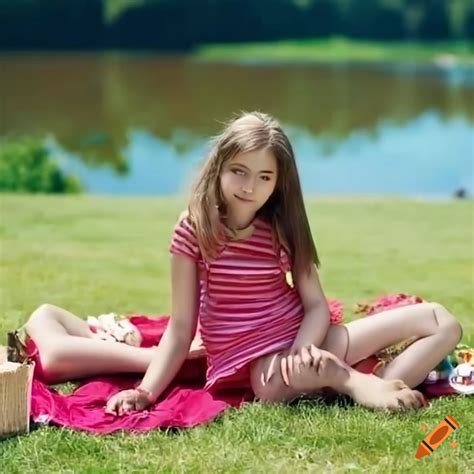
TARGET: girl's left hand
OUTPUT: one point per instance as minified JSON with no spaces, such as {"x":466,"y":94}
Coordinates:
{"x":127,"y":401}
{"x":296,"y":360}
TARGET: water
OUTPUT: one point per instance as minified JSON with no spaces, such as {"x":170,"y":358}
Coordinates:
{"x":140,"y":124}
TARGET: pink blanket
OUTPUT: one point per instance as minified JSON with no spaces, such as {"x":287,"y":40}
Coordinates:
{"x":184,"y":404}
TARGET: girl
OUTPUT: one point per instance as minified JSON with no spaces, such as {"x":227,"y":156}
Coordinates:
{"x":245,"y":228}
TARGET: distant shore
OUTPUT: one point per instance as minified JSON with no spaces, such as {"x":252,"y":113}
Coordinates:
{"x":443,"y":54}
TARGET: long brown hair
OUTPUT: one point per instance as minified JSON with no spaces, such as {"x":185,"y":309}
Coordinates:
{"x":284,"y":210}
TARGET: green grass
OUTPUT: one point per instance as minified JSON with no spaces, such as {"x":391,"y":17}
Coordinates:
{"x":338,"y":49}
{"x":94,"y":255}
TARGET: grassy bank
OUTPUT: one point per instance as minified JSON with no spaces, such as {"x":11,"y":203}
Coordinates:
{"x":94,"y":255}
{"x":340,"y":50}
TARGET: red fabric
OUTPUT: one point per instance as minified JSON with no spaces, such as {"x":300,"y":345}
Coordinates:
{"x":184,"y":404}
{"x":181,"y":407}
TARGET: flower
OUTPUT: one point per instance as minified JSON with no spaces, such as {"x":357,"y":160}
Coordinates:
{"x":385,"y":302}
{"x":336,"y":310}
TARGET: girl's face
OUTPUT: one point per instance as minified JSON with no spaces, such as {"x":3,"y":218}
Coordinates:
{"x":248,"y":180}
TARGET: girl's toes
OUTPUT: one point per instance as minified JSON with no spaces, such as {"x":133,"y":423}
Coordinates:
{"x":421,"y":399}
{"x":399,"y":384}
{"x":398,"y":402}
{"x":395,"y":405}
{"x":417,"y":400}
{"x":395,"y":385}
{"x":412,"y":402}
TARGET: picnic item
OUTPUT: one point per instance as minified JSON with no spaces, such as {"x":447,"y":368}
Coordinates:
{"x":15,"y":398}
{"x":113,"y":327}
{"x":462,"y":378}
{"x":463,"y":354}
{"x":441,"y":372}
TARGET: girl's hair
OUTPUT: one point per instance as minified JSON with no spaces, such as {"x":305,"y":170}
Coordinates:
{"x":284,"y":210}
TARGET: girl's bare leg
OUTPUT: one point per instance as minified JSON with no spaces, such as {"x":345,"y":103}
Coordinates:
{"x":437,"y":330}
{"x":69,"y":351}
{"x":367,"y":390}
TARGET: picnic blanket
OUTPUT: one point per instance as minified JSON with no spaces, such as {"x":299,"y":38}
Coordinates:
{"x":185,"y":403}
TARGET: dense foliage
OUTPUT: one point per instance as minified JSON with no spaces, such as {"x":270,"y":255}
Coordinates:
{"x":184,"y":24}
{"x":27,"y":166}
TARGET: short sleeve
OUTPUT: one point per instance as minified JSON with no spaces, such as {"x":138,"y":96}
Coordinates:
{"x":184,"y":241}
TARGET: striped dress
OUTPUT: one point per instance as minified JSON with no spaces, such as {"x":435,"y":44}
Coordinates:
{"x":247,"y":308}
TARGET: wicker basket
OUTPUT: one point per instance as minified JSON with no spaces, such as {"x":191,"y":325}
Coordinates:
{"x":15,"y":398}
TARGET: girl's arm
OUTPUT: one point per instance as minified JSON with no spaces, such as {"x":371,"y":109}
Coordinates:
{"x":176,"y":340}
{"x":174,"y":344}
{"x":313,"y":329}
{"x":315,"y":323}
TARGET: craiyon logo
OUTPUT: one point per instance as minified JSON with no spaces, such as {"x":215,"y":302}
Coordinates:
{"x":462,"y":378}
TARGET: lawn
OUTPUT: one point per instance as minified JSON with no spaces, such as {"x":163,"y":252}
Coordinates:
{"x":339,"y":49}
{"x":99,"y":254}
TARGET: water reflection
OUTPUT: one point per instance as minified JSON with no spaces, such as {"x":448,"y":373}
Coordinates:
{"x":154,"y":166}
{"x":139,"y":123}
{"x":428,"y":156}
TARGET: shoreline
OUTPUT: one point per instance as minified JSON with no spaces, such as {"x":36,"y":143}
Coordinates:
{"x":335,"y":51}
{"x":338,"y":50}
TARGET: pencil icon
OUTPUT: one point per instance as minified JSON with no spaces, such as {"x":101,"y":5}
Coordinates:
{"x":436,"y":437}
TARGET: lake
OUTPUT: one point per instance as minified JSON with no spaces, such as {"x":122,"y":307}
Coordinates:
{"x":140,"y":124}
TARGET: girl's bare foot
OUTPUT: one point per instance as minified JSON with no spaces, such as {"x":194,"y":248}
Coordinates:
{"x":391,"y":395}
{"x":373,"y":392}
{"x":368,"y":390}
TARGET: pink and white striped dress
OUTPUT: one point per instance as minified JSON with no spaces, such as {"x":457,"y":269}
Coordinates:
{"x":247,"y":308}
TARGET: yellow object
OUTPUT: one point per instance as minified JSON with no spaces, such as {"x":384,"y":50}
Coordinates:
{"x":465,"y":356}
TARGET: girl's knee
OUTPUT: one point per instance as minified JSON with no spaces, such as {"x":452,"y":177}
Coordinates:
{"x":265,"y":390}
{"x":447,"y":323}
{"x":453,"y":331}
{"x":337,"y":341}
{"x":266,"y":380}
{"x":268,"y":385}
{"x":271,"y":392}
{"x":35,"y":316}
{"x":43,"y":323}
{"x":443,"y":315}
{"x":42,"y":312}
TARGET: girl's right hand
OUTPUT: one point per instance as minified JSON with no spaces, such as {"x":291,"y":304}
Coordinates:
{"x":197,"y":349}
{"x":296,"y":360}
{"x":127,"y":401}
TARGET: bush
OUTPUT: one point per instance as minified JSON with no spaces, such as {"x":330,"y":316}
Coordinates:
{"x":27,"y":166}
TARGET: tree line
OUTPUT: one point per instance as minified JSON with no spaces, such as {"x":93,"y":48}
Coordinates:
{"x":182,"y":25}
